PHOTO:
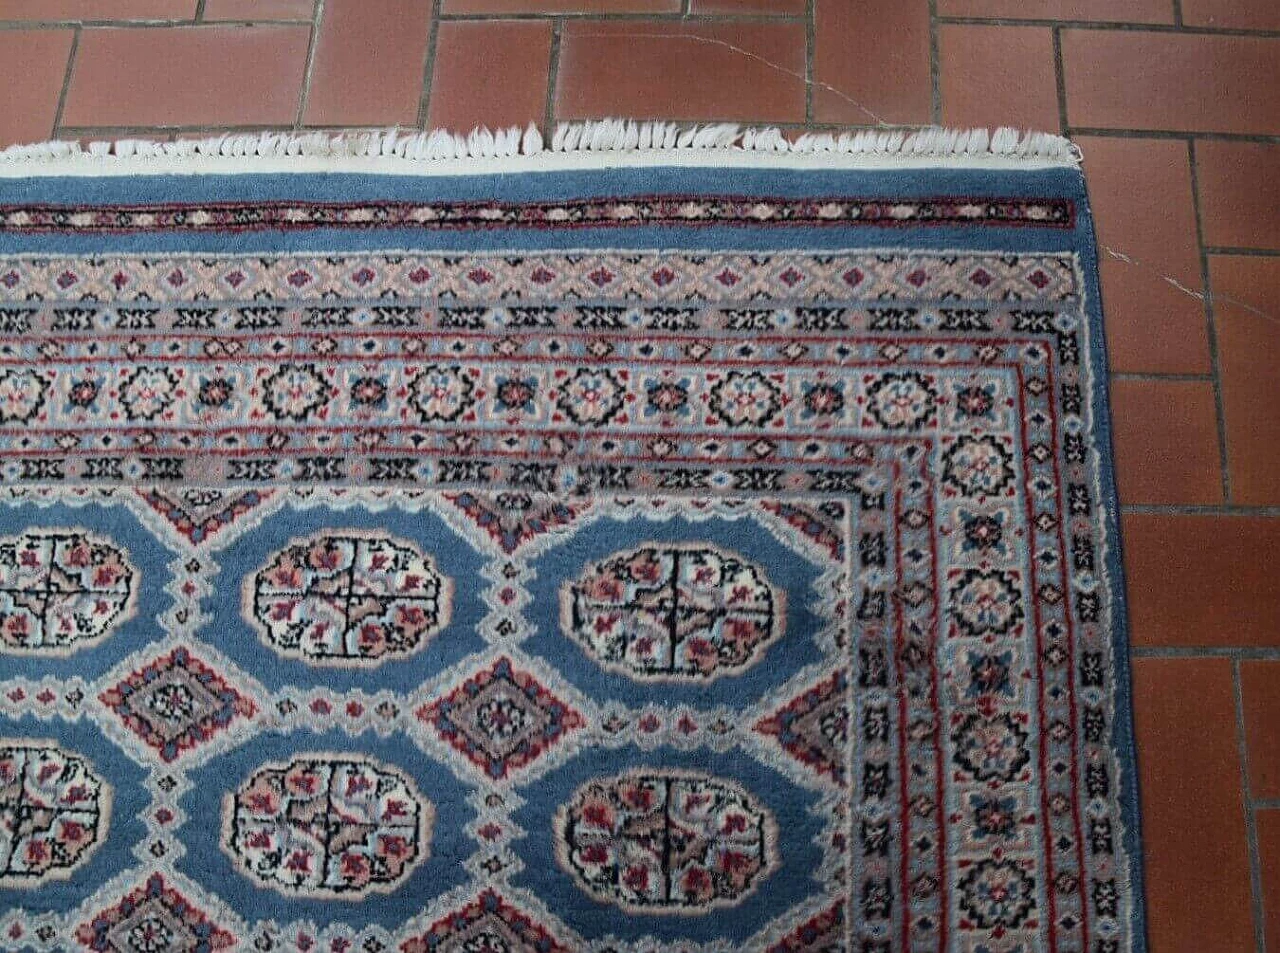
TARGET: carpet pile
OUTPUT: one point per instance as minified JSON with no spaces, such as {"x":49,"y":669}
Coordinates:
{"x":604,"y":557}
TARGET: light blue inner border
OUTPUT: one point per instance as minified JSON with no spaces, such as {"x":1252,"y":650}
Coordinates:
{"x":916,"y":183}
{"x":912,"y":183}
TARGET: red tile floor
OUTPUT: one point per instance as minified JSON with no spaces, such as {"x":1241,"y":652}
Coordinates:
{"x":1176,"y":104}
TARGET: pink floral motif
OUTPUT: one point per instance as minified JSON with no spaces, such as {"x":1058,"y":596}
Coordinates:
{"x":61,"y":590}
{"x":352,"y":598}
{"x":325,"y":825}
{"x":667,"y":612}
{"x":21,"y":395}
{"x":662,"y":840}
{"x":53,"y":812}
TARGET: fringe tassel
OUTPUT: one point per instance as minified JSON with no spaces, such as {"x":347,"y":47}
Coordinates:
{"x":603,"y":136}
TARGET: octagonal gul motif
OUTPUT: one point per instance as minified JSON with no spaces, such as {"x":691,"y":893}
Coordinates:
{"x":348,"y":598}
{"x":335,"y":826}
{"x":153,"y":918}
{"x":61,"y":590}
{"x":54,"y":811}
{"x":673,"y":612}
{"x":666,"y":841}
{"x":176,"y":703}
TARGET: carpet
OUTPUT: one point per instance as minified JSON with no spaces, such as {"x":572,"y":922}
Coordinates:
{"x":653,"y":541}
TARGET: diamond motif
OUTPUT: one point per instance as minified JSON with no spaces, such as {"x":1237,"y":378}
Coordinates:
{"x":486,"y":924}
{"x":814,"y":726}
{"x":822,"y":932}
{"x":175,"y":703}
{"x":514,"y":519}
{"x":153,"y":918}
{"x":199,"y":515}
{"x":501,"y":719}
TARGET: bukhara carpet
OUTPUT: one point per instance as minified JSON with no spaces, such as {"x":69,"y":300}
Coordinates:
{"x":705,"y":549}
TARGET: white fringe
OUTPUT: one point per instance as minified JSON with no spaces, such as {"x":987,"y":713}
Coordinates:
{"x":634,"y":143}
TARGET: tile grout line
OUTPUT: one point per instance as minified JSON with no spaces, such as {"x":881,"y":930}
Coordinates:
{"x":429,"y":66}
{"x":1229,"y":250}
{"x":935,"y":65}
{"x":156,"y":132}
{"x":317,"y":15}
{"x":1250,"y":821}
{"x":1243,"y":653}
{"x":28,"y":26}
{"x":669,"y":16}
{"x":1211,"y":328}
{"x":1157,"y":377}
{"x":1180,"y":134}
{"x":553,"y":79}
{"x":1112,"y":26}
{"x":66,"y":84}
{"x":1177,"y":13}
{"x":199,"y":14}
{"x":810,"y":51}
{"x":1060,"y":79}
{"x":1199,"y":509}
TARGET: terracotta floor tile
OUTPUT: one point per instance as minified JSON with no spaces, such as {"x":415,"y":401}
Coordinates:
{"x":1193,"y":824}
{"x":1232,"y":14}
{"x":33,"y":66}
{"x":1260,"y":688}
{"x":1249,"y":356}
{"x":97,"y":9}
{"x":1151,"y":325}
{"x":1166,"y":436}
{"x":369,"y":61}
{"x":769,"y":7}
{"x":1139,"y":80}
{"x":861,"y":77}
{"x":490,"y":72}
{"x":198,"y":76}
{"x":1268,"y":826}
{"x":1127,"y":11}
{"x":561,"y":6}
{"x":998,"y":76}
{"x":259,"y":9}
{"x":1202,"y":580}
{"x":1239,"y":193}
{"x":749,"y":71}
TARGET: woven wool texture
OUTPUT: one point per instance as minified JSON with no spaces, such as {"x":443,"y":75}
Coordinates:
{"x":688,"y":554}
